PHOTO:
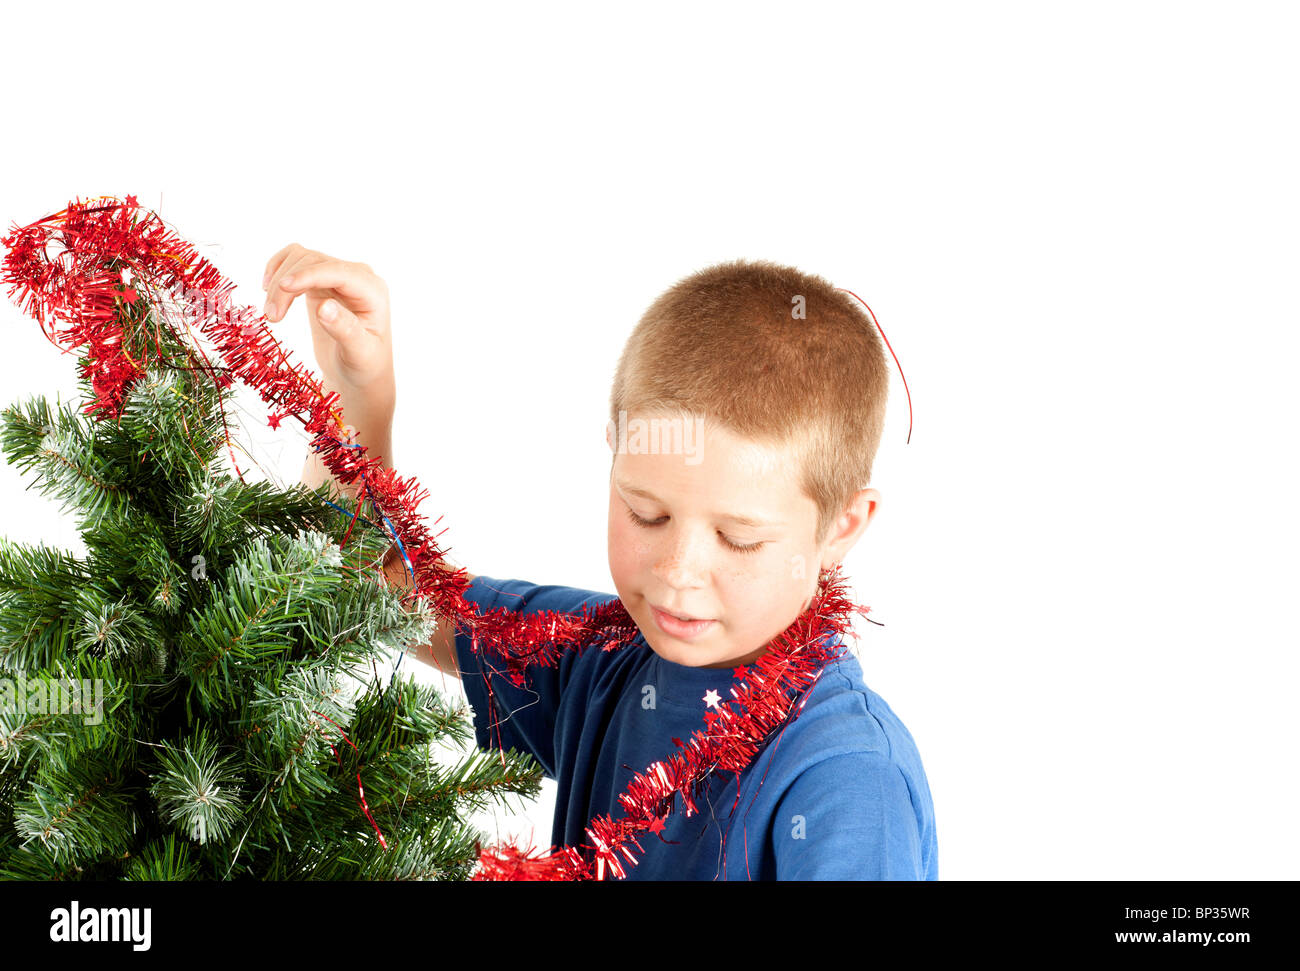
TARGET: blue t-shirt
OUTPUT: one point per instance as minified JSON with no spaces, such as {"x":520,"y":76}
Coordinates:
{"x":839,"y":794}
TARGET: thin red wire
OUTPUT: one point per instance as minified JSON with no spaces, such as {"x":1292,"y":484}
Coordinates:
{"x":891,"y":351}
{"x":361,"y":792}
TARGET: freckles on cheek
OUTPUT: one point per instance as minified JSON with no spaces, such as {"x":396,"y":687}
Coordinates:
{"x":624,"y":549}
{"x":763,"y":587}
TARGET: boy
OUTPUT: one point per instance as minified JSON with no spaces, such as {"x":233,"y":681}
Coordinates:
{"x":768,"y":387}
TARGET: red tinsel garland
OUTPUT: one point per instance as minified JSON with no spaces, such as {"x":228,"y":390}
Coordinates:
{"x":77,"y":272}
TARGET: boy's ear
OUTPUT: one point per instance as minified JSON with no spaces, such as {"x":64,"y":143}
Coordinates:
{"x":848,"y":529}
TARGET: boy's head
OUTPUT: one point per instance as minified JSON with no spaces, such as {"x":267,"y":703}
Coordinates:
{"x":752,"y":391}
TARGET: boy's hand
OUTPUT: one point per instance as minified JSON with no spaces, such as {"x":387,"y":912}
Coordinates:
{"x":347,"y":304}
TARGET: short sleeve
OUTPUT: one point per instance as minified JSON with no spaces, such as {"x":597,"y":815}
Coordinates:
{"x":848,"y":817}
{"x":506,"y":715}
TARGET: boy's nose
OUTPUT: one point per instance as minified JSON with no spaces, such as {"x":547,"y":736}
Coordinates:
{"x":679,"y":579}
{"x":682,"y":566}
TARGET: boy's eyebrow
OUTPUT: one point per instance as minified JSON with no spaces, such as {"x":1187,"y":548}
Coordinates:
{"x":742,"y":520}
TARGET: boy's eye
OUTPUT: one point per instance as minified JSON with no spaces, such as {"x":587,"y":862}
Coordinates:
{"x":737,"y":547}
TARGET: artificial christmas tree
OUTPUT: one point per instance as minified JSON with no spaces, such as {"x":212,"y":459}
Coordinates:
{"x":199,"y":695}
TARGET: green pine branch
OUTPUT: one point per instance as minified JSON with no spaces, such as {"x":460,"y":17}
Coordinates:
{"x":60,"y":446}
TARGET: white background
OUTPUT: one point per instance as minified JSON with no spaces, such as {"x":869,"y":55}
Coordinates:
{"x":1076,"y":224}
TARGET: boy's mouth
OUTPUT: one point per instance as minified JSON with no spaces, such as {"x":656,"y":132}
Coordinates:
{"x":678,"y":626}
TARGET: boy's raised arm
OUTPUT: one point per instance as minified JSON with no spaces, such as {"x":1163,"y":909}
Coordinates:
{"x":351,"y":332}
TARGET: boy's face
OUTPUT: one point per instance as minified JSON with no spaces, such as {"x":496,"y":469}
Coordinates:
{"x":683,"y":564}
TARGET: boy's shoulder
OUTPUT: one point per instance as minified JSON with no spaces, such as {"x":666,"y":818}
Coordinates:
{"x":842,"y":716}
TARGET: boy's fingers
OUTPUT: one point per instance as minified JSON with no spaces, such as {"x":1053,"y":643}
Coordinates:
{"x":273,"y":264}
{"x":278,"y":299}
{"x":352,"y":281}
{"x":340,"y":323}
{"x":357,"y":347}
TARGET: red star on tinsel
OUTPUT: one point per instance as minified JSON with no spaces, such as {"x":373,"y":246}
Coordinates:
{"x":274,"y":421}
{"x":657,"y":826}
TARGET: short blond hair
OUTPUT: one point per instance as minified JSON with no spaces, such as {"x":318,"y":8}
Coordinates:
{"x":728,"y":344}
